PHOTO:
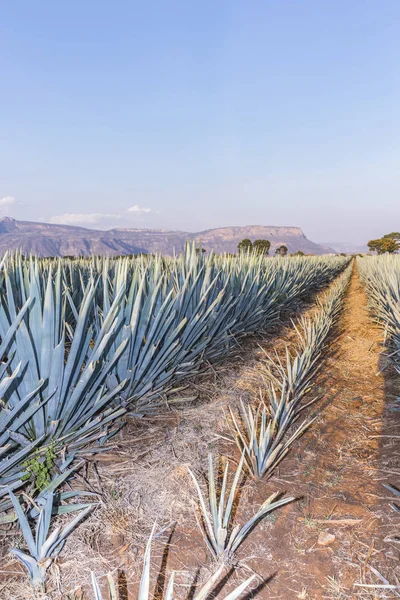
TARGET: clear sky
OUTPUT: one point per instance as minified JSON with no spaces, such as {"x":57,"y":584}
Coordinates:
{"x":202,"y":114}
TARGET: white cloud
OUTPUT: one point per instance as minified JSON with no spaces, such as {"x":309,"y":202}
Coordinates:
{"x":82,"y":218}
{"x":99,"y":219}
{"x":6,"y":200}
{"x":139,"y":210}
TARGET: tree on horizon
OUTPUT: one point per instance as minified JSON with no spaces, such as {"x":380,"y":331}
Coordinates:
{"x":245,"y":245}
{"x":383,"y":245}
{"x":281,"y":250}
{"x":395,"y":235}
{"x":262,"y":246}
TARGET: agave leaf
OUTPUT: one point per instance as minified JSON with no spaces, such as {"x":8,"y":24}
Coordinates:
{"x":71,"y":526}
{"x":267,"y":507}
{"x":232,"y":495}
{"x":23,"y":523}
{"x":207,"y":588}
{"x":112,"y":588}
{"x":29,"y":563}
{"x":43,"y":523}
{"x":204,"y":512}
{"x":96,"y":589}
{"x":169,"y":594}
{"x":50,"y":544}
{"x":145,"y":580}
{"x":392,"y":489}
{"x":238,"y":591}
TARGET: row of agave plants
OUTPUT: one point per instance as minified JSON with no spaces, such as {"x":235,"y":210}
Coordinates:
{"x":381,"y":277}
{"x":84,"y":341}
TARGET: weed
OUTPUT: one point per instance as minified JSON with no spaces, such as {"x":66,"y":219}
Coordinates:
{"x":40,"y":469}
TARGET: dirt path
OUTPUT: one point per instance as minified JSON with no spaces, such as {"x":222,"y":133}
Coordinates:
{"x":338,"y":468}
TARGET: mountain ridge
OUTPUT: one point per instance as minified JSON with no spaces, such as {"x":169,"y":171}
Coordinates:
{"x":52,"y":239}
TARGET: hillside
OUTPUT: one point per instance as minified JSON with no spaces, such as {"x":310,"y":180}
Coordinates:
{"x":45,"y":239}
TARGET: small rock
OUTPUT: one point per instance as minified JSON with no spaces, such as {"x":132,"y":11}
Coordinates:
{"x":325,"y":539}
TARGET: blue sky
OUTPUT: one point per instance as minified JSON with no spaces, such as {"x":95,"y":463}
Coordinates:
{"x":202,"y":114}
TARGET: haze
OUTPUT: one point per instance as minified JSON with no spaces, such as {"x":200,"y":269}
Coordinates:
{"x":190,"y":115}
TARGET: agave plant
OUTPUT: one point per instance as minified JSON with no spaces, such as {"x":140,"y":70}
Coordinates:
{"x":202,"y":594}
{"x":53,"y":388}
{"x":260,"y":436}
{"x":42,"y":547}
{"x":221,"y":536}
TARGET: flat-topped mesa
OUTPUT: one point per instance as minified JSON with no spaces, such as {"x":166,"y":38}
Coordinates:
{"x":258,"y":230}
{"x":51,"y":239}
{"x":135,"y":230}
{"x":226,"y":239}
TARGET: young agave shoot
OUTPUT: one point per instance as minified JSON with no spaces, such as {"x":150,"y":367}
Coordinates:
{"x":221,"y":535}
{"x":260,"y":435}
{"x":42,"y":547}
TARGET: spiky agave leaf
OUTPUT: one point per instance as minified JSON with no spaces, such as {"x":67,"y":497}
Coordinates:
{"x":207,"y":588}
{"x":271,"y":504}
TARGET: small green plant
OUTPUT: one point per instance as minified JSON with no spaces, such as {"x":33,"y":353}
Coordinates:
{"x":310,"y":522}
{"x":40,"y":468}
{"x":309,"y":471}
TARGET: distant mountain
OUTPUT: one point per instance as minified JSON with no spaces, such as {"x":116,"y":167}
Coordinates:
{"x":348,"y":248}
{"x":45,"y":239}
{"x":226,"y":239}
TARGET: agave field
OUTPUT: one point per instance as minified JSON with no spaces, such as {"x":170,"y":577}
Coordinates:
{"x":381,"y":276}
{"x":87,"y":345}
